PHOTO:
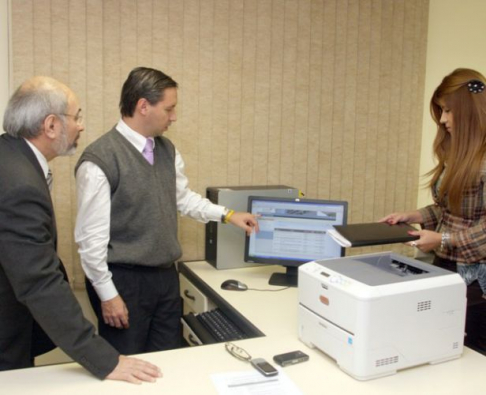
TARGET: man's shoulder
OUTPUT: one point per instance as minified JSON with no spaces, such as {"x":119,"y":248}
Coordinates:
{"x":104,"y":139}
{"x":18,"y":172}
{"x":9,"y":144}
{"x":12,"y":152}
{"x":98,"y":151}
{"x":164,"y":142}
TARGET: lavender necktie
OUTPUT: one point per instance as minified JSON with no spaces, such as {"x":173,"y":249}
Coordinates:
{"x":148,"y":151}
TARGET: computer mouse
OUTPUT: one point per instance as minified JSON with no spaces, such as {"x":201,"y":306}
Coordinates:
{"x":234,"y":285}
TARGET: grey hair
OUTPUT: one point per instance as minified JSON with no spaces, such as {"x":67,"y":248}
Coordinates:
{"x":31,"y":104}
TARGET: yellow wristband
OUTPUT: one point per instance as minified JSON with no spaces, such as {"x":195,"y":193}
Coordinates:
{"x":228,"y":216}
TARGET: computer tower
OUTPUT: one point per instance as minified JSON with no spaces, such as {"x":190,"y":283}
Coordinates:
{"x":225,"y":244}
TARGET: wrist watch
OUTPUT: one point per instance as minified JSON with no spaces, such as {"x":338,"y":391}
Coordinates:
{"x":225,"y":213}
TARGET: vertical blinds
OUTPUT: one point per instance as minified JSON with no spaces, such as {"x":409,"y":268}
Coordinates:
{"x":323,"y":95}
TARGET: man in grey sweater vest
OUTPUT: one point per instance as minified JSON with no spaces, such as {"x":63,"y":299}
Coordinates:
{"x":130,"y":185}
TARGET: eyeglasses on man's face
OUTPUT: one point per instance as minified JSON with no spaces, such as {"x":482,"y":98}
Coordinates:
{"x":78,"y":118}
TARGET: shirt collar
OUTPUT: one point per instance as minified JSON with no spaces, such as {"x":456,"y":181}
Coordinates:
{"x":41,"y":158}
{"x":136,"y":139}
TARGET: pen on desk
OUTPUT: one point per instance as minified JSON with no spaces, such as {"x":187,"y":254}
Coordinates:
{"x":251,"y":383}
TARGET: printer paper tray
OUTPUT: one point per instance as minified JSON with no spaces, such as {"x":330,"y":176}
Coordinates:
{"x":318,"y":332}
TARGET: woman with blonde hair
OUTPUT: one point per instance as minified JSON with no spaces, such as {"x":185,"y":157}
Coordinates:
{"x":454,"y":227}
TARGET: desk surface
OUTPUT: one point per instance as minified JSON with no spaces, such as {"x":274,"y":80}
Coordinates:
{"x":188,"y":370}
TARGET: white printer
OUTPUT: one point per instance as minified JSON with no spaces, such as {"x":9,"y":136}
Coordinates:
{"x":378,"y":313}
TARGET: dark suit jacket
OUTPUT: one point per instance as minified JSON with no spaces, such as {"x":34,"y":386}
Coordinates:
{"x":32,"y":285}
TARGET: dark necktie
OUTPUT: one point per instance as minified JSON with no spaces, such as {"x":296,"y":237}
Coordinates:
{"x":49,"y":179}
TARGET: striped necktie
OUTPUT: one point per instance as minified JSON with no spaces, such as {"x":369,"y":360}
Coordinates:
{"x":49,"y":179}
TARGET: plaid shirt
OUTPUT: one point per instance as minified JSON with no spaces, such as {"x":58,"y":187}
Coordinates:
{"x":467,"y":230}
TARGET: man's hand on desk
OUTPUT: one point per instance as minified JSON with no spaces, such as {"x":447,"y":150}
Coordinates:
{"x":115,"y":312}
{"x":246,"y":221}
{"x":134,"y":371}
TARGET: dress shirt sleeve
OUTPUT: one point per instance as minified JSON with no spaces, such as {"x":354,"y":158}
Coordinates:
{"x":191,"y":203}
{"x":92,"y":232}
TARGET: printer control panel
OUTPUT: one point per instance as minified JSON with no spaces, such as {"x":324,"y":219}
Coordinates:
{"x":339,"y":280}
{"x":327,"y":277}
{"x":333,"y":278}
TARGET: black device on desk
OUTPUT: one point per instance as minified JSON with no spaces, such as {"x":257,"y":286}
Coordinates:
{"x":224,"y":315}
{"x":234,"y":285}
{"x":214,"y":326}
{"x":293,"y":232}
{"x":264,"y":367}
{"x":290,"y":358}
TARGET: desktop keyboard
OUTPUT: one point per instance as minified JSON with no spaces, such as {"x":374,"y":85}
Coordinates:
{"x":214,"y":326}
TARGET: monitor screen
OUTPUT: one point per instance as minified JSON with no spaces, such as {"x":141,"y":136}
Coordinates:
{"x":293,"y":232}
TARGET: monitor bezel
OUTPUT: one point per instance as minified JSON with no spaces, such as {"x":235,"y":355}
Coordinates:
{"x":288,"y":262}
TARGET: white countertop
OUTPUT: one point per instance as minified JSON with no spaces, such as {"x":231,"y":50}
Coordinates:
{"x":188,"y":370}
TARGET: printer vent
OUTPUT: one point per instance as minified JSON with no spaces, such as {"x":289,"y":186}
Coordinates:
{"x":386,"y":361}
{"x":455,"y":345}
{"x":422,"y":306}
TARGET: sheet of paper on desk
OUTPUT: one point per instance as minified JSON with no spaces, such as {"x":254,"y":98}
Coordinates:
{"x":254,"y":383}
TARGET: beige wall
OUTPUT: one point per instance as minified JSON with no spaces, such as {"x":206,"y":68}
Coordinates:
{"x":457,"y":31}
{"x":323,"y":95}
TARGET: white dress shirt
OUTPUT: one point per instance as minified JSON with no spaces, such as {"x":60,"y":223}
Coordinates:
{"x":92,"y":232}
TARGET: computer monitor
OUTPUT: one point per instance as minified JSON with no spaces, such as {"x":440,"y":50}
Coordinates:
{"x":293,"y":232}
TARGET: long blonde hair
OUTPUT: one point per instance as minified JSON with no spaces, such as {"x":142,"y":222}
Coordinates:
{"x":463,"y":149}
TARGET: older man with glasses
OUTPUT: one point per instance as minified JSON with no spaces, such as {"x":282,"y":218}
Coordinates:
{"x":43,"y":120}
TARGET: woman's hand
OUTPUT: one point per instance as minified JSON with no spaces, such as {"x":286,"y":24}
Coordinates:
{"x":428,"y":241}
{"x":410,"y":217}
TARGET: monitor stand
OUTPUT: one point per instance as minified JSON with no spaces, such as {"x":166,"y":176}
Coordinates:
{"x":287,"y":279}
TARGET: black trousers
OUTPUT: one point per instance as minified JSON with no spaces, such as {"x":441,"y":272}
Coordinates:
{"x":154,"y":309}
{"x":476,"y":310}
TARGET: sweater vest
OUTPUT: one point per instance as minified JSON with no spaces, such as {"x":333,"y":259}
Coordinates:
{"x":143,"y":218}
